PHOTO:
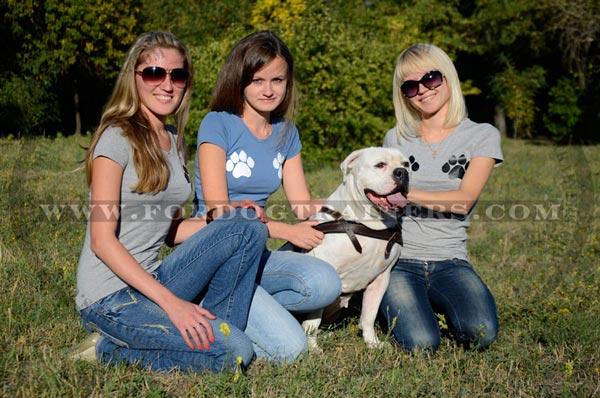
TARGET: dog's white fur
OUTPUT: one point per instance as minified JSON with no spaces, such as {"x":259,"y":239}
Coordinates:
{"x":368,"y":169}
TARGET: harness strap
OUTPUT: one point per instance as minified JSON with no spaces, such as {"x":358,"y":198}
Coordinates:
{"x":352,"y":228}
{"x":339,"y":225}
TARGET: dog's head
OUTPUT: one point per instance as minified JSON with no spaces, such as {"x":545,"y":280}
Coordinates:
{"x":380,"y":175}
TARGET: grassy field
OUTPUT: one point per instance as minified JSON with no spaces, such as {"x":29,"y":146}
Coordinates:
{"x":536,"y":242}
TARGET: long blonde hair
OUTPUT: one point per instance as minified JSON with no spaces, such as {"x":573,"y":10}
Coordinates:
{"x":123,"y":110}
{"x":427,"y":57}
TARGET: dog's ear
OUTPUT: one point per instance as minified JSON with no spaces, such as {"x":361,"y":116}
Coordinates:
{"x":347,"y":163}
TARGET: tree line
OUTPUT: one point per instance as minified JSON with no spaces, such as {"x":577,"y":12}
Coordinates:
{"x":530,"y":67}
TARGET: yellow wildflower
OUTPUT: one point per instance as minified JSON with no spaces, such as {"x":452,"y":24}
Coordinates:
{"x":237,"y":372}
{"x":569,"y":366}
{"x":225,"y":329}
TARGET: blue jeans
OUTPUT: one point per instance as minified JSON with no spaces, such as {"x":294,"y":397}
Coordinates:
{"x":221,"y":263}
{"x":275,"y":334}
{"x":420,"y":289}
{"x":292,"y":282}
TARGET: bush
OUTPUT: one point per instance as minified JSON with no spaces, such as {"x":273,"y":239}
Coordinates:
{"x":563,"y":111}
{"x":516,"y":92}
{"x":345,"y":79}
{"x":343,"y":72}
{"x":25,"y":106}
{"x":208,"y":59}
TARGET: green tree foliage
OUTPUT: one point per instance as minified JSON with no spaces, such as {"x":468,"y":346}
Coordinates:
{"x":437,"y":22}
{"x":283,"y":14}
{"x":344,"y":76}
{"x":24,"y":106}
{"x":577,"y":23}
{"x":208,"y":59}
{"x":563,"y":112}
{"x":502,"y":26}
{"x":506,"y":30}
{"x":64,"y":45}
{"x":345,"y":53}
{"x":559,"y":37}
{"x":195,"y":22}
{"x":516,"y":91}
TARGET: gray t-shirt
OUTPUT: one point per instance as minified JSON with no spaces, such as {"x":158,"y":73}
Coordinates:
{"x":430,"y":235}
{"x":143,"y":223}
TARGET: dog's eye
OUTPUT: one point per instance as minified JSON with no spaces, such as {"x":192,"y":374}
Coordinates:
{"x":380,"y":165}
{"x":405,"y":164}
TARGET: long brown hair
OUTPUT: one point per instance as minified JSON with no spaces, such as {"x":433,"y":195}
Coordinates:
{"x":123,"y":110}
{"x":248,"y":56}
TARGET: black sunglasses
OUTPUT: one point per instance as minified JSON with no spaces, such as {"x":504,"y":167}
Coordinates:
{"x":430,"y":80}
{"x":155,"y":75}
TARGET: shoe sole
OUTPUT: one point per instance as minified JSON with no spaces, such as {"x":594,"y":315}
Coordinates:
{"x":86,"y":350}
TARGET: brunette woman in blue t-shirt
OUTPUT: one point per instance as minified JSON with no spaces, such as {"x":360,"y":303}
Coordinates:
{"x":247,"y":149}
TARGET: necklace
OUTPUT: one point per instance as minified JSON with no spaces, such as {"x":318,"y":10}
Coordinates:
{"x":434,"y":146}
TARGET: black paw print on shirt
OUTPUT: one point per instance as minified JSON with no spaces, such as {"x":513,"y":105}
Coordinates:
{"x":414,"y":166}
{"x":456,"y":167}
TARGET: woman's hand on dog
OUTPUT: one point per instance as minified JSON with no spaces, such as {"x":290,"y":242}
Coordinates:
{"x":304,"y":235}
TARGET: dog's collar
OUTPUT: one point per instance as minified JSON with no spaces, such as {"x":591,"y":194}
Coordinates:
{"x":352,"y":228}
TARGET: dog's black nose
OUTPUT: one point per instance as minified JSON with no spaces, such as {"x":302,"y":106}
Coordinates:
{"x":400,"y":174}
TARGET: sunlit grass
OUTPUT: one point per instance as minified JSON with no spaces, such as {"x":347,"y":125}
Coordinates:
{"x":544,"y":273}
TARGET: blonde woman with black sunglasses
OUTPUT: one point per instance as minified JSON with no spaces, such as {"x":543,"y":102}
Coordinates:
{"x":451,"y":159}
{"x":188,"y":310}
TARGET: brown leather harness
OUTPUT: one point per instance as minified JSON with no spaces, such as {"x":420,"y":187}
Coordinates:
{"x":352,"y":228}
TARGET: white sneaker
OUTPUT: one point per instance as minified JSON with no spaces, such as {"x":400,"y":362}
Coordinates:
{"x":86,"y":350}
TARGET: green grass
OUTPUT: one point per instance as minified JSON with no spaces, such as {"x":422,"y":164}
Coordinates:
{"x":544,"y":273}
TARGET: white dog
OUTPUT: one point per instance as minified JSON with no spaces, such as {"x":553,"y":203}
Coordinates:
{"x":362,"y":236}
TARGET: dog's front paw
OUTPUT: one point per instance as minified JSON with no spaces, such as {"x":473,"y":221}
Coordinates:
{"x":313,"y":345}
{"x":374,"y":343}
{"x":370,"y":338}
{"x":377,"y":344}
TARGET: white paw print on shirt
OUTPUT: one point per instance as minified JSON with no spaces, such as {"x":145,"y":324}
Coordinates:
{"x":277,"y":162}
{"x":240,"y":165}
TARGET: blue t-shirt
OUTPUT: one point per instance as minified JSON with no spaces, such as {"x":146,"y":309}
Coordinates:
{"x":254,"y":166}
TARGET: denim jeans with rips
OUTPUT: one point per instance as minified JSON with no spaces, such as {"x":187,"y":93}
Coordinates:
{"x":221,"y":262}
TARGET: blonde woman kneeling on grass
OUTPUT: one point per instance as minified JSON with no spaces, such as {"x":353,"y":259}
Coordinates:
{"x":145,"y":310}
{"x":451,"y":159}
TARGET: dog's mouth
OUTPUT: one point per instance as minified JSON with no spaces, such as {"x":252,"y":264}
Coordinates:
{"x":391,"y":201}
